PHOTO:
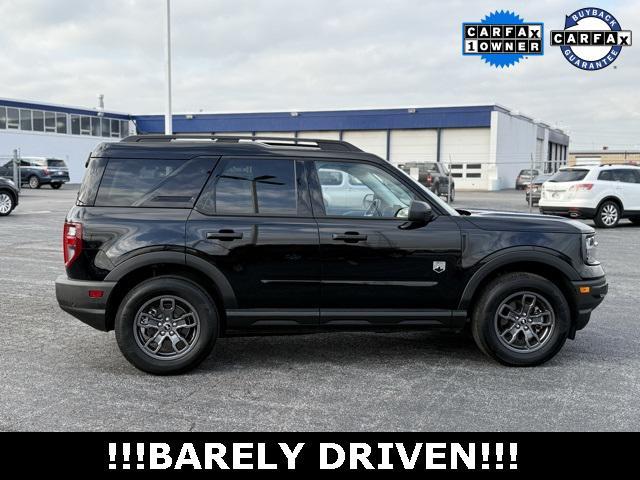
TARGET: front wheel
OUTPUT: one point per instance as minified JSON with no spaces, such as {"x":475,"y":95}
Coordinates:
{"x":6,"y":204}
{"x":166,"y":325}
{"x":521,"y":319}
{"x":608,"y":215}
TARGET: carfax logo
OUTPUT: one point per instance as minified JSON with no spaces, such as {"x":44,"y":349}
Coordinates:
{"x":592,"y":38}
{"x":502,"y":38}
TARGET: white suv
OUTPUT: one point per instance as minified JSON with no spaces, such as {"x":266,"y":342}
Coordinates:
{"x":604,"y":193}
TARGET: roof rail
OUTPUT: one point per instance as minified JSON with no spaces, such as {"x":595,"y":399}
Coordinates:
{"x":317,"y":143}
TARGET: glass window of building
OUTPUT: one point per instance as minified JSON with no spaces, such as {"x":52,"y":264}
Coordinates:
{"x":25,"y":119}
{"x":115,"y":128}
{"x":61,"y":122}
{"x":124,"y":128}
{"x":95,"y":126}
{"x":85,"y":125}
{"x":49,"y":122}
{"x":75,"y":124}
{"x":3,"y":117}
{"x":38,"y":120}
{"x":106,"y":127}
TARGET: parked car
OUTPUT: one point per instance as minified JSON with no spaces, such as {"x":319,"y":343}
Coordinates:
{"x":534,"y":189}
{"x":36,"y":171}
{"x":9,"y":196}
{"x":524,"y":178}
{"x":432,"y":175}
{"x":173,"y":243}
{"x":606,"y":194}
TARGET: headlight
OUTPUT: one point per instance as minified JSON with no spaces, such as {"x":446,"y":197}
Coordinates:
{"x":590,"y":247}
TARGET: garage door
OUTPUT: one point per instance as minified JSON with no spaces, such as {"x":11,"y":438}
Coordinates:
{"x":374,"y":141}
{"x":414,"y":146}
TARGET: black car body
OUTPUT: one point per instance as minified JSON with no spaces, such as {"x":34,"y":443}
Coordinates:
{"x":238,"y":236}
{"x":432,"y":175}
{"x":533,"y":191}
{"x":9,"y":196}
{"x":524,"y":178}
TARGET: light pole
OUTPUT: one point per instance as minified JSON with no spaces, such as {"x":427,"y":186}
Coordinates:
{"x":168,"y":123}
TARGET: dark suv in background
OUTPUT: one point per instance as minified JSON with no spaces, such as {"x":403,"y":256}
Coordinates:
{"x":36,"y":171}
{"x":177,"y":240}
{"x":432,"y":175}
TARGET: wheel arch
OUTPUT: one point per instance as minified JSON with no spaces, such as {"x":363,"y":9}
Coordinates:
{"x":531,"y":261}
{"x":131,"y":272}
{"x":612,"y":198}
{"x":11,"y":193}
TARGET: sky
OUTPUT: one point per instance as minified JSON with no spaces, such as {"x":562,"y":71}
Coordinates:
{"x":287,"y":55}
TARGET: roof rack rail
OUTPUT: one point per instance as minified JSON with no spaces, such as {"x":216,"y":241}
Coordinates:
{"x":321,"y":144}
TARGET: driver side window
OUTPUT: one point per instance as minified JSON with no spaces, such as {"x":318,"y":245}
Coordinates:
{"x":363,"y":190}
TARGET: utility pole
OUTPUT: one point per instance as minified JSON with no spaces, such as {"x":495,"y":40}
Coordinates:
{"x":168,"y":121}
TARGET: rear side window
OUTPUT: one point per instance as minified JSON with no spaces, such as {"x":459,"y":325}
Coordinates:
{"x":252,"y":187}
{"x":572,"y":175}
{"x":91,"y":181}
{"x":153,"y":183}
{"x":56,"y":163}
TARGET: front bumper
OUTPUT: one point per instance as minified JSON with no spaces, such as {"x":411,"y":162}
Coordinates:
{"x":588,"y":295}
{"x":73,"y":297}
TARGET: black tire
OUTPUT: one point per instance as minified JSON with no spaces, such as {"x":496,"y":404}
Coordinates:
{"x":127,"y":334}
{"x":635,"y":220}
{"x":608,"y":214}
{"x":34,"y":182}
{"x":56,"y":186}
{"x":7,"y":203}
{"x":485,"y":317}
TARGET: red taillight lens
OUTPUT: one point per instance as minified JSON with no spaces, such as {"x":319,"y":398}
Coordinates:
{"x":71,"y":242}
{"x":581,"y":187}
{"x":45,"y":171}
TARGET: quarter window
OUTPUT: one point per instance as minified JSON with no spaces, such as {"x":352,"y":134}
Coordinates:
{"x":252,"y":187}
{"x":153,"y":183}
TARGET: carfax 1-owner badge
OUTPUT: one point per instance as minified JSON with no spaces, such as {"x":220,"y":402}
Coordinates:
{"x":592,"y":38}
{"x":502,"y":38}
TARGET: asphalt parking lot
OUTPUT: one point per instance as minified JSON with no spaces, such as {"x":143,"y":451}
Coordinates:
{"x":57,"y":374}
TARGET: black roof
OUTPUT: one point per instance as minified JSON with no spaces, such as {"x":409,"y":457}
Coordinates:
{"x":189,"y":146}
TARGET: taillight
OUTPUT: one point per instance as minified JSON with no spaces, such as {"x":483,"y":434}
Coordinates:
{"x":71,"y":242}
{"x":581,"y":187}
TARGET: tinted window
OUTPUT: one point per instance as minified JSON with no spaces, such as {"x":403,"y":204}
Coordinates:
{"x":624,"y":175}
{"x":153,"y":183}
{"x":330,"y":178}
{"x":249,"y":187}
{"x":571,"y":175}
{"x":606,"y":175}
{"x":376,"y":194}
{"x":54,"y":162}
{"x":91,"y":181}
{"x":525,"y":172}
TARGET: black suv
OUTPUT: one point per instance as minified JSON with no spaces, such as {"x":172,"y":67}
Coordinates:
{"x":177,"y":240}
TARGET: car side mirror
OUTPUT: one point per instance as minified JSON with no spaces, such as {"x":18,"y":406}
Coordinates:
{"x":420,"y":212}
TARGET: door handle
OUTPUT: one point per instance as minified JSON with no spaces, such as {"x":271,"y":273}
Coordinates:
{"x":224,"y":235}
{"x":349,"y":237}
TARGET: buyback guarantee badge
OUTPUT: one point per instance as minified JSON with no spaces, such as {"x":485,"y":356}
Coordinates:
{"x":592,"y":39}
{"x":502,"y":39}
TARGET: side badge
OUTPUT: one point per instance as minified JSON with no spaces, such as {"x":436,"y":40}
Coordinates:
{"x":439,"y":267}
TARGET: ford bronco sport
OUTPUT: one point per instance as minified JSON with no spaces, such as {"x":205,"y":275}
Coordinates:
{"x":177,"y":240}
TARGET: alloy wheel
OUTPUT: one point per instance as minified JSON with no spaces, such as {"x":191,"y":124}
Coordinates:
{"x":524,"y":322}
{"x":166,"y":327}
{"x":609,"y":214}
{"x":6,"y":203}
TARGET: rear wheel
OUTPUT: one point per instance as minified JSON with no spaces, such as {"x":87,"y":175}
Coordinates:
{"x":608,"y":215}
{"x":34,"y":182}
{"x":521,"y":319}
{"x":166,"y":325}
{"x":6,"y":204}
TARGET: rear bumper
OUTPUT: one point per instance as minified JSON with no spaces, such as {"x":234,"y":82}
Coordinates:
{"x":73,"y":298}
{"x":570,"y":212}
{"x":586,"y":302}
